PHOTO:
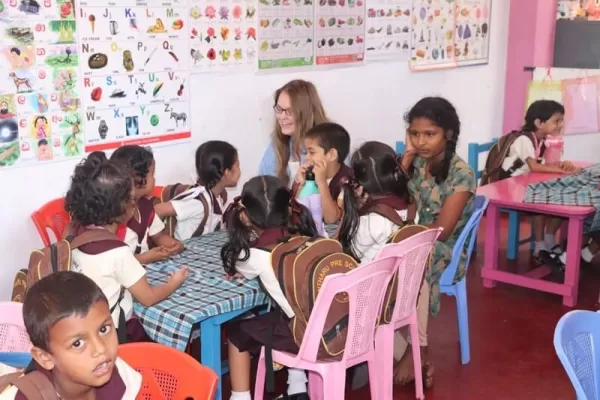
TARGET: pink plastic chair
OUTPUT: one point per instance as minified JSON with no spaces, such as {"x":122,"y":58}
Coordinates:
{"x":366,"y":288}
{"x":13,"y":336}
{"x":412,"y":255}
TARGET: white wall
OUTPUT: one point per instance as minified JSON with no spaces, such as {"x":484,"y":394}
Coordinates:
{"x":237,"y":108}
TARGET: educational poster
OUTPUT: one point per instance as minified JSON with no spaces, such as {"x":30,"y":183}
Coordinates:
{"x":135,"y":74}
{"x":286,"y":33}
{"x":388,"y":29}
{"x":340,"y":31}
{"x":222,"y":35}
{"x":580,"y":9}
{"x":472,"y":34}
{"x":39,"y":97}
{"x":433,"y":26}
{"x":580,"y":98}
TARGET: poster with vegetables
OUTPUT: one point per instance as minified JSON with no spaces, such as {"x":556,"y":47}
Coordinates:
{"x":286,"y":33}
{"x":40,"y":119}
{"x":472,"y":35}
{"x":433,"y":26}
{"x":388,"y":29}
{"x":223,"y":35}
{"x":134,"y":73}
{"x":340,"y":31}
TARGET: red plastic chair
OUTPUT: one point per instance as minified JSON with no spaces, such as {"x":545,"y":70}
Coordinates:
{"x":53,"y":216}
{"x":157,"y":192}
{"x":169,"y":374}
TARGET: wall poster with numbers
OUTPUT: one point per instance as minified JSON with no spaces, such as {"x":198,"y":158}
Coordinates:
{"x":134,"y":72}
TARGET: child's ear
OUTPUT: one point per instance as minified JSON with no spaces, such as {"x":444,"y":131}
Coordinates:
{"x":43,"y":358}
{"x":449,"y":134}
{"x":537,"y":123}
{"x":332,"y":155}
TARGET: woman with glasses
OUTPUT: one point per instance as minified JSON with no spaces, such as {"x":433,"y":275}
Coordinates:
{"x":297,"y":109}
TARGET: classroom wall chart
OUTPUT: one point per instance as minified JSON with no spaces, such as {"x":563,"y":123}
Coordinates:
{"x":472,"y":35}
{"x":134,"y":73}
{"x":39,"y":116}
{"x":433,"y":25}
{"x":340,"y":31}
{"x":223,"y":35}
{"x":388,"y":29}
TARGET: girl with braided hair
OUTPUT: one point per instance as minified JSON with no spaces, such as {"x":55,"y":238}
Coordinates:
{"x":218,"y":168}
{"x":443,"y":187}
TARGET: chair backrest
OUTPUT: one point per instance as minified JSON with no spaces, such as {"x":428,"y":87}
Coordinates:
{"x":469,"y":233}
{"x":364,"y":289}
{"x":399,"y":147}
{"x":412,"y":255}
{"x":577,"y":341}
{"x":13,"y":336}
{"x":53,"y":216}
{"x":475,"y":149}
{"x":168,"y":373}
{"x":157,"y":192}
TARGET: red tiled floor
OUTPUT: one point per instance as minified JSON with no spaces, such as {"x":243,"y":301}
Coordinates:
{"x":512,"y":355}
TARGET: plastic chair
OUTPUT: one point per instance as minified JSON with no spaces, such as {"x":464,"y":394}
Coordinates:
{"x":53,"y":216}
{"x":459,"y":289}
{"x":169,"y":374}
{"x":15,"y":345}
{"x":365,"y":287}
{"x":412,"y":255}
{"x":399,"y":147}
{"x":157,"y":192}
{"x":577,"y":344}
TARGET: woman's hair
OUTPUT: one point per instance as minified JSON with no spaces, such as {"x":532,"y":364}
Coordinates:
{"x":136,"y":158}
{"x":443,"y":114}
{"x":376,"y":173}
{"x":542,"y":110}
{"x":265,"y":203}
{"x":307,"y":110}
{"x":100,"y":191}
{"x":212,"y":159}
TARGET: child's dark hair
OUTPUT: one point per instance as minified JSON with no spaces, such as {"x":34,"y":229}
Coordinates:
{"x":100,"y":191}
{"x":266,"y":203}
{"x":55,"y":297}
{"x":331,"y":136}
{"x":137,"y":158}
{"x":41,"y":117}
{"x":542,"y":110}
{"x":212,"y":159}
{"x":443,"y":114}
{"x":378,"y":173}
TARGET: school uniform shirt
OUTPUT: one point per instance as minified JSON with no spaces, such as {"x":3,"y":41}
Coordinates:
{"x":111,"y":271}
{"x":128,"y":382}
{"x":522,"y":148}
{"x":190,"y":212}
{"x":131,"y":236}
{"x":373,"y":233}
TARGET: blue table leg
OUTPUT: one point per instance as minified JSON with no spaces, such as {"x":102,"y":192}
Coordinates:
{"x":514,"y":227}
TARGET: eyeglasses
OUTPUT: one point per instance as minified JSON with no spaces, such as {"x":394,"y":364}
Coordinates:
{"x":279,"y":110}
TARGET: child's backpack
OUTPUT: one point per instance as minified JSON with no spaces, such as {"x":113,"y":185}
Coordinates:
{"x":301,"y":264}
{"x":493,"y":170}
{"x":19,"y":286}
{"x":33,"y":385}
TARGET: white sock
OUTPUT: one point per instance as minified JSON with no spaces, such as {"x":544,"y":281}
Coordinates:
{"x":539,"y":246}
{"x":586,"y":254}
{"x":550,"y":240}
{"x":240,"y":395}
{"x":296,"y":381}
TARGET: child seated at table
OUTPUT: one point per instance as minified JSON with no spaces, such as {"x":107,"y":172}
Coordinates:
{"x":218,"y":168}
{"x":144,"y":225}
{"x":102,"y":196}
{"x":265,"y":209}
{"x":75,"y":345}
{"x":327,"y":146}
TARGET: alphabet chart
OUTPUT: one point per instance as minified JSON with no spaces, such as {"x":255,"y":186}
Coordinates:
{"x":134,"y":72}
{"x":39,"y":94}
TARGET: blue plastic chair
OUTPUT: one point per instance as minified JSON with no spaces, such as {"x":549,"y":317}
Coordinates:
{"x":459,"y":289}
{"x":577,"y":344}
{"x":16,"y":360}
{"x":514,"y":218}
{"x":400,"y":147}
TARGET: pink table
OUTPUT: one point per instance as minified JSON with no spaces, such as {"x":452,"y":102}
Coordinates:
{"x":509,"y":193}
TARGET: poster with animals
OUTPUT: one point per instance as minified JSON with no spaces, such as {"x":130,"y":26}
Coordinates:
{"x":472,"y":34}
{"x":134,"y":73}
{"x":340,"y":31}
{"x":40,"y":119}
{"x":388,"y":29}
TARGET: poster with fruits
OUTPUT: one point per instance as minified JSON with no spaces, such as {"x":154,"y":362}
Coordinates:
{"x":472,"y":35}
{"x":433,"y":28}
{"x":286,"y":33}
{"x":222,"y":35}
{"x":40,"y":119}
{"x":340,"y":31}
{"x":134,"y":73}
{"x":388,"y":29}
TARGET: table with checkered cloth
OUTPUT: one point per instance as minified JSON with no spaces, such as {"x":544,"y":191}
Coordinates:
{"x":571,"y":190}
{"x":204,"y":294}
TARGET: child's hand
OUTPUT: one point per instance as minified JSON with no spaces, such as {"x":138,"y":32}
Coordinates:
{"x":159,"y":253}
{"x":174,"y":246}
{"x":301,"y":175}
{"x":320,"y":171}
{"x":180,"y":275}
{"x":237,"y":275}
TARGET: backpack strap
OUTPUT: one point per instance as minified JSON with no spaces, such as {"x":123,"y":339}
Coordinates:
{"x":95,"y":241}
{"x":34,"y":385}
{"x":200,"y":230}
{"x":122,"y":324}
{"x":387,"y":212}
{"x":146,"y":211}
